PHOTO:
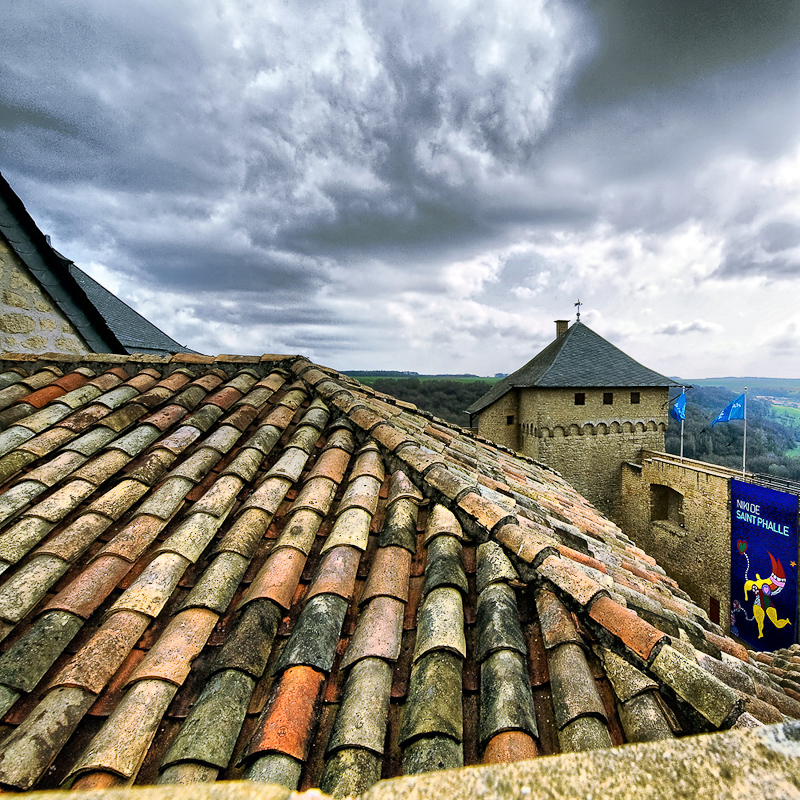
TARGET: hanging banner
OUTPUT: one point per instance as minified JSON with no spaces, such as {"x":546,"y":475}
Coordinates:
{"x":763,"y":566}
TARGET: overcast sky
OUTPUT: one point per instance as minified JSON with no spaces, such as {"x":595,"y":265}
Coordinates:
{"x":422,"y":185}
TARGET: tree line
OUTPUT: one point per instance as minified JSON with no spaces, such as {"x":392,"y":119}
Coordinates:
{"x":769,"y":438}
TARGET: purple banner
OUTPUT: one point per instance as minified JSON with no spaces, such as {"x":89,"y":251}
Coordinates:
{"x":763,"y":566}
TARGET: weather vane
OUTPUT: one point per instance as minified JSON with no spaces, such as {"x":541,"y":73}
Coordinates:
{"x":579,"y":304}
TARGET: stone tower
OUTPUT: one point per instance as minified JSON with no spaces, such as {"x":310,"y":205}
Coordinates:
{"x":582,"y":407}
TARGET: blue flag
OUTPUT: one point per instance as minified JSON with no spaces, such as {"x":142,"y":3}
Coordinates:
{"x":734,"y":410}
{"x":678,"y":410}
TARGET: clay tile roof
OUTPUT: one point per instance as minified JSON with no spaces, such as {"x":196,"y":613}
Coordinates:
{"x":224,"y":569}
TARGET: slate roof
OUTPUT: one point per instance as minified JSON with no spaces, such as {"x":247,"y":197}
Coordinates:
{"x":259,"y":568}
{"x":135,"y":333}
{"x":106,"y":323}
{"x":578,"y":358}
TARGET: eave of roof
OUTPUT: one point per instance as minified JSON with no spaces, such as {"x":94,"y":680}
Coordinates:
{"x":579,"y":358}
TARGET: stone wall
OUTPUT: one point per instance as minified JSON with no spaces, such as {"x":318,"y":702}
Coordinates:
{"x":500,"y":421}
{"x":588,"y":444}
{"x":29,"y":321}
{"x":679,"y":513}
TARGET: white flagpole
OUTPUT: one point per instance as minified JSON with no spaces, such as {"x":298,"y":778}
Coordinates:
{"x":683,"y":391}
{"x":744,"y":443}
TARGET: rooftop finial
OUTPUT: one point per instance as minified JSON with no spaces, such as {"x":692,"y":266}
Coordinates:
{"x":579,"y":304}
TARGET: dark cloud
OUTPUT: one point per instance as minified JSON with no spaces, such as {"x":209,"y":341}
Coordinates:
{"x":657,"y":46}
{"x":443,"y":176}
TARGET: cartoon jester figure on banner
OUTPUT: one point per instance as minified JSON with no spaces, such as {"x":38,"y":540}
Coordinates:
{"x":764,"y":590}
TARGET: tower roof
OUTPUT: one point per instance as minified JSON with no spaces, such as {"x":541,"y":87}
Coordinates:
{"x":577,"y":358}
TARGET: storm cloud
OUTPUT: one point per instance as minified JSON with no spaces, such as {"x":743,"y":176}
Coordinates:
{"x":421,"y":185}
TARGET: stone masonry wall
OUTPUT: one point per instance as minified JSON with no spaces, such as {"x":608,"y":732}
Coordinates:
{"x":29,"y":321}
{"x":695,"y":548}
{"x":493,"y":422}
{"x":588,"y":444}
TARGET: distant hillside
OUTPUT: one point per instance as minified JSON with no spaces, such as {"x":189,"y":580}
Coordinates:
{"x":445,"y":396}
{"x":772,"y":433}
{"x":776,"y":387}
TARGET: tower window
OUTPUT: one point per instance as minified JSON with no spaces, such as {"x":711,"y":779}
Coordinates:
{"x":510,"y":419}
{"x":608,"y":398}
{"x":580,"y":398}
{"x":635,"y":398}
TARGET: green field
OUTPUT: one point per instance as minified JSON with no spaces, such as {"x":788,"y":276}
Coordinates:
{"x":775,"y":387}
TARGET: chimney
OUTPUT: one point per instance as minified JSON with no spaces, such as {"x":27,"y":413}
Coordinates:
{"x":561,"y":327}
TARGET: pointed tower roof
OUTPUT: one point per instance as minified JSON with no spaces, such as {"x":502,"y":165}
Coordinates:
{"x":578,"y":358}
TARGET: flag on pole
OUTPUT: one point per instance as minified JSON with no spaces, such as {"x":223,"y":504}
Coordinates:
{"x":678,"y":410}
{"x":734,"y":410}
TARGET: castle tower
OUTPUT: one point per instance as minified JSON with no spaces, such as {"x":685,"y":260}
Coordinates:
{"x":582,"y":407}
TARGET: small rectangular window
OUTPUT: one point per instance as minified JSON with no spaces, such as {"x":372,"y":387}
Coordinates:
{"x":608,"y":398}
{"x":580,"y":398}
{"x":713,"y":609}
{"x":510,"y":419}
{"x":635,"y":398}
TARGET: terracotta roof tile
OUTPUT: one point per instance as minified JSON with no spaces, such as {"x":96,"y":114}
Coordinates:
{"x":336,"y":573}
{"x":445,"y":565}
{"x":316,"y":634}
{"x":171,"y":658}
{"x":121,"y":744}
{"x":440,"y":623}
{"x":400,"y":525}
{"x":99,"y":659}
{"x":639,"y":636}
{"x":149,"y":593}
{"x":389,"y":576}
{"x":85,"y":594}
{"x":379,"y":632}
{"x":351,"y":528}
{"x":506,"y":702}
{"x":509,"y":746}
{"x":434,"y":704}
{"x":269,"y":590}
{"x":132,"y":541}
{"x":289,"y":719}
{"x":73,"y":540}
{"x":278,"y":578}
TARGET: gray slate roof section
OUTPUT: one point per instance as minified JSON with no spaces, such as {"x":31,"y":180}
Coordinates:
{"x":579,"y":359}
{"x":31,"y":246}
{"x":135,"y":333}
{"x":105,"y":322}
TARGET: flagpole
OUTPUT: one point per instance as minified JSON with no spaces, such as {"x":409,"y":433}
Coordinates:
{"x":744,"y":443}
{"x":683,"y":391}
